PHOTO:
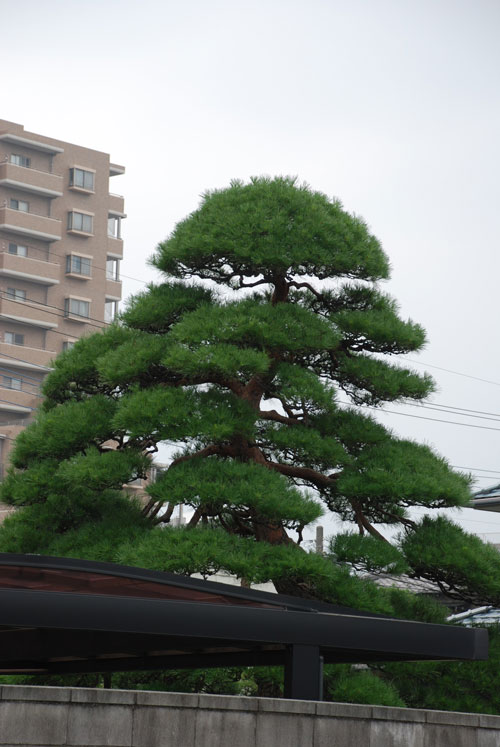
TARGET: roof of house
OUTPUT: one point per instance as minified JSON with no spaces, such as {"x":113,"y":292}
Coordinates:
{"x":66,"y":615}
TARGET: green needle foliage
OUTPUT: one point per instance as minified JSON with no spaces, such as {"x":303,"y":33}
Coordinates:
{"x":270,"y":315}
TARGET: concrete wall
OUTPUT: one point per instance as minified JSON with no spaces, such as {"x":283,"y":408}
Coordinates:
{"x":47,"y":716}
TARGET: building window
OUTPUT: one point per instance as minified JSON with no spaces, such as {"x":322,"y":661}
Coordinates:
{"x":80,"y":222}
{"x":75,"y":307}
{"x":21,"y":251}
{"x":68,"y":344}
{"x":78,"y":265}
{"x":10,"y":383}
{"x":16,"y":294}
{"x":13,"y":338}
{"x":113,"y":269}
{"x":110,"y":311}
{"x":19,"y":160}
{"x":20,"y":205}
{"x":81,"y":179}
{"x":114,"y":227}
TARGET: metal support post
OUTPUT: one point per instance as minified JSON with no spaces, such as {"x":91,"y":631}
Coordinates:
{"x":304,"y":673}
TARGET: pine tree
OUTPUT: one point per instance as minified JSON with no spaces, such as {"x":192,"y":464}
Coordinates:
{"x":253,"y":358}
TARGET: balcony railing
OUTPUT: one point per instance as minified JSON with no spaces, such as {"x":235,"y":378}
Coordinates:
{"x":29,"y":358}
{"x":32,"y":180}
{"x":6,"y":159}
{"x":116,"y":204}
{"x":30,"y":224}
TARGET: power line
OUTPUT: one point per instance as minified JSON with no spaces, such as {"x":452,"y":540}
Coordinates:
{"x":455,"y":407}
{"x":449,"y":370}
{"x":483,"y":477}
{"x":476,"y":469}
{"x":453,"y":411}
{"x":439,"y":420}
{"x":422,"y":417}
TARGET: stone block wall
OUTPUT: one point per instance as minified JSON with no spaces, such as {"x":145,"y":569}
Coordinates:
{"x":79,"y":717}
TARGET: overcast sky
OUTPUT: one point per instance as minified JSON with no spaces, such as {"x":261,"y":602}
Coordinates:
{"x":391,"y":105}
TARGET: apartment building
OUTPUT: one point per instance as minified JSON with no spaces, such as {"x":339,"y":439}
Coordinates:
{"x":60,"y":252}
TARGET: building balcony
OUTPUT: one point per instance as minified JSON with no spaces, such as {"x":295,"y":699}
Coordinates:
{"x":30,"y":224}
{"x":30,"y":313}
{"x":40,"y":145}
{"x":116,"y":170}
{"x":113,"y":289}
{"x":15,"y":400}
{"x":30,"y":180}
{"x":116,"y":204}
{"x":114,"y":248}
{"x":28,"y":268}
{"x":24,"y":357}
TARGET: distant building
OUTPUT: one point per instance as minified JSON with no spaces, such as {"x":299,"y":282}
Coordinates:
{"x":60,"y":251}
{"x":487,"y":499}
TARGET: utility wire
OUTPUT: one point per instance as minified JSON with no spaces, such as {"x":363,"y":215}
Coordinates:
{"x":465,"y":409}
{"x":439,"y":420}
{"x":449,"y":370}
{"x":450,"y":411}
{"x":476,"y":469}
{"x":422,"y":417}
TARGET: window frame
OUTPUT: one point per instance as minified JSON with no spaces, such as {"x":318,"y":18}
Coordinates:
{"x":116,"y":233}
{"x":24,"y":161}
{"x":81,"y":259}
{"x":109,"y":319}
{"x":11,"y":379}
{"x":69,"y":312}
{"x":113,"y":275}
{"x":82,"y":215}
{"x":18,"y":203}
{"x":16,"y":294}
{"x":17,"y":247}
{"x":14,"y":335}
{"x":86,"y":173}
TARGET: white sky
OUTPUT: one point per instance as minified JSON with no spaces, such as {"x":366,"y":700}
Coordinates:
{"x":391,"y":105}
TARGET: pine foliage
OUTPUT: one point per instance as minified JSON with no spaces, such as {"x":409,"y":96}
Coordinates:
{"x":269,"y":316}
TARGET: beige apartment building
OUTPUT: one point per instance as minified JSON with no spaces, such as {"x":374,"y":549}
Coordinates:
{"x":60,"y":252}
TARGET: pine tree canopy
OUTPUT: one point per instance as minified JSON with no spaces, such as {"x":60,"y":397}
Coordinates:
{"x":252,"y":360}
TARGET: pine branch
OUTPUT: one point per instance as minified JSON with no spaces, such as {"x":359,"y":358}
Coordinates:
{"x":195,"y":517}
{"x":276,"y":417}
{"x":264,"y":281}
{"x":202,"y":453}
{"x":361,"y":519}
{"x":295,"y":284}
{"x":165,"y":519}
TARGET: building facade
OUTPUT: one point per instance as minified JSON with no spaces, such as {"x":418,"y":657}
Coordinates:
{"x":60,"y":252}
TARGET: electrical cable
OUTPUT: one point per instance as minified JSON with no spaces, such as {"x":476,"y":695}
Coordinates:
{"x":465,"y":409}
{"x":451,"y":411}
{"x":476,"y":469}
{"x":449,"y":370}
{"x":422,"y":417}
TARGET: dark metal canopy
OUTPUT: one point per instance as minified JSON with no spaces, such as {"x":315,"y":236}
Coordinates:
{"x":62,"y":615}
